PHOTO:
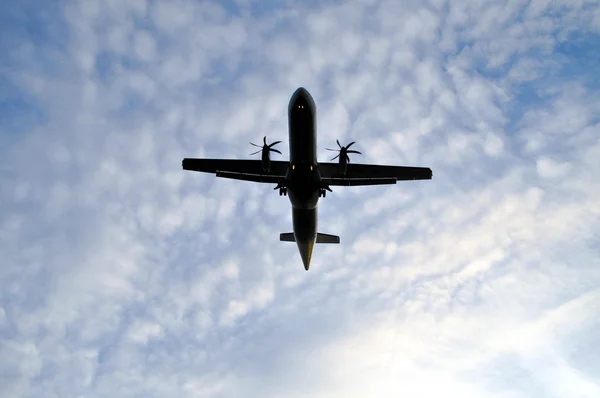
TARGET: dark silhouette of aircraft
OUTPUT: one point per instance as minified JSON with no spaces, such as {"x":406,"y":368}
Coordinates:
{"x":303,"y":179}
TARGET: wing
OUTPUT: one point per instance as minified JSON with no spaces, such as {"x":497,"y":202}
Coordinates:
{"x":248,"y":170}
{"x":371,"y":174}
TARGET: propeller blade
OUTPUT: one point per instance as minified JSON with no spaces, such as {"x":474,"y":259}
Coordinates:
{"x":265,"y":140}
{"x":276,"y":142}
{"x":256,"y":145}
{"x":254,"y":153}
{"x":338,"y":142}
{"x":350,"y":144}
{"x":348,"y":158}
{"x":334,"y":150}
{"x":336,"y":156}
{"x":275,"y":150}
{"x":353,"y":151}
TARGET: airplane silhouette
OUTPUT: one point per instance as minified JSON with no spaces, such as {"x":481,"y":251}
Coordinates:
{"x":303,"y":179}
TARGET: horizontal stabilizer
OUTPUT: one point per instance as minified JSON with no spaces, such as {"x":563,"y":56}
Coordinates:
{"x":325,"y":238}
{"x":289,"y":237}
{"x":321,"y":238}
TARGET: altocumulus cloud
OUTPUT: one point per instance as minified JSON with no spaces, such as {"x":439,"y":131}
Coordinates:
{"x":122,"y":275}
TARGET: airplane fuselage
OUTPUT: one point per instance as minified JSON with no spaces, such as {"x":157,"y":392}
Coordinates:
{"x":303,"y":180}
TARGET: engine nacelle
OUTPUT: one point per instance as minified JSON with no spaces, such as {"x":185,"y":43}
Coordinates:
{"x":266,"y":160}
{"x":343,"y":165}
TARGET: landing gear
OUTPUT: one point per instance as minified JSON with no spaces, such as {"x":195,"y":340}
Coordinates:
{"x":323,"y":191}
{"x":282,"y":188}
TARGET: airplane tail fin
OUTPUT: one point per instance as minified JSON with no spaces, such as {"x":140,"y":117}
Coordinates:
{"x":321,"y":238}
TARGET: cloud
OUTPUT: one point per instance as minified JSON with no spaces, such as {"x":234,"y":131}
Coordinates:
{"x":122,"y":274}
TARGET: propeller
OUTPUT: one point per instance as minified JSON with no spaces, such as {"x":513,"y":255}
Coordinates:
{"x":266,"y":147}
{"x":343,"y":151}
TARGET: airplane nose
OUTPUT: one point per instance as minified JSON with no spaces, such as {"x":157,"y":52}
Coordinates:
{"x":302,"y":98}
{"x":301,"y":92}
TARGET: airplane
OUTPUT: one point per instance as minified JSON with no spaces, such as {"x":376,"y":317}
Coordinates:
{"x":304,"y":179}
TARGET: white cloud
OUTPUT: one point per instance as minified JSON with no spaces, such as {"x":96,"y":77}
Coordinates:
{"x":119,"y":269}
{"x":548,"y":168}
{"x":142,"y":332}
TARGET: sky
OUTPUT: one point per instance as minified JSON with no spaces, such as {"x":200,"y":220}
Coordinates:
{"x":121,"y":275}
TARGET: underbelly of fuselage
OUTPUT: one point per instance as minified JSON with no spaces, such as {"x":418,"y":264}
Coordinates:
{"x":303,"y":180}
{"x":305,"y":225}
{"x":303,"y":188}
